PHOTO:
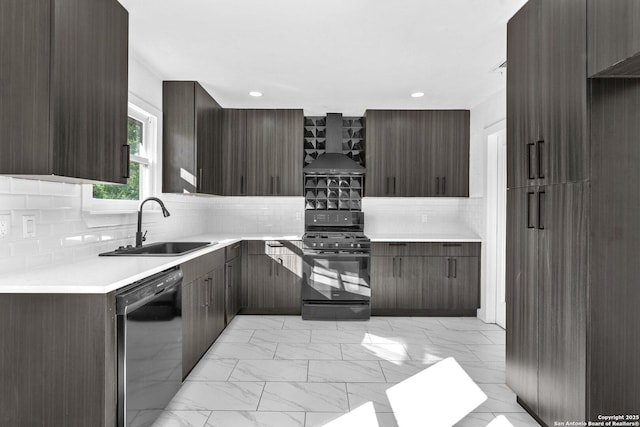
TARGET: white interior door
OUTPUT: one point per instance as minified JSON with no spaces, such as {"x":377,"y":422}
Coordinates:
{"x":501,"y":229}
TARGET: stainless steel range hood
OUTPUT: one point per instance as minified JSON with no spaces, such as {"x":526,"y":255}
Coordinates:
{"x":333,"y":161}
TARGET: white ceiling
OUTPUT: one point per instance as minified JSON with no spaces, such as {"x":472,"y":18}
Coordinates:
{"x":327,"y":55}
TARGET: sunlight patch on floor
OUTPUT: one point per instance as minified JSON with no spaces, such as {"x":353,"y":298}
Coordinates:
{"x":438,"y":396}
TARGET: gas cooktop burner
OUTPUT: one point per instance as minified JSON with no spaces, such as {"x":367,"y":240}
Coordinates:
{"x":328,"y":240}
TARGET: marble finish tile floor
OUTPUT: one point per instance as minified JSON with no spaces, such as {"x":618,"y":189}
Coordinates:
{"x":281,"y":371}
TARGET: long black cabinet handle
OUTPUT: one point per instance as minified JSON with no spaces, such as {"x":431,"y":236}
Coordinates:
{"x":540,"y":154}
{"x":126,"y":161}
{"x":437,"y":185}
{"x":530,"y":223}
{"x":241,"y":184}
{"x":448,"y":268}
{"x":393,"y":270}
{"x":394,"y":185}
{"x":541,"y":209}
{"x":530,"y":148}
{"x":455,"y":268}
{"x":399,"y":267}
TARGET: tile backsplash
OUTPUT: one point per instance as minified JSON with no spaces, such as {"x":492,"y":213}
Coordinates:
{"x":65,"y":232}
{"x":422,"y":216}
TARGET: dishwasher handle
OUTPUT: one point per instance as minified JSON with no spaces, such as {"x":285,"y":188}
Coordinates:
{"x":140,"y":293}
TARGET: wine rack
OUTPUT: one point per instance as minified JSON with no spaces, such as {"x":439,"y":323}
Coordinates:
{"x":333,"y":192}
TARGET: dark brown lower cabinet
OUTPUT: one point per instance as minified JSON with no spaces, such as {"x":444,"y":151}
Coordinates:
{"x":203,"y":305}
{"x":272,"y":278}
{"x":233,"y":277}
{"x":419,"y":283}
{"x":522,"y":296}
{"x":546,"y":299}
{"x":58,"y":360}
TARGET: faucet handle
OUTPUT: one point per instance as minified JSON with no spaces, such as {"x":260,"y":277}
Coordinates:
{"x":144,"y":236}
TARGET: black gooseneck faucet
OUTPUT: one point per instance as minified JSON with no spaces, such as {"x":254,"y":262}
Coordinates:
{"x":139,"y":236}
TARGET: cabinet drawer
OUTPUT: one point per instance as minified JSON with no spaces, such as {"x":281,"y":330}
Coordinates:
{"x":425,"y":249}
{"x":233,"y":251}
{"x":274,"y":247}
{"x":200,"y":266}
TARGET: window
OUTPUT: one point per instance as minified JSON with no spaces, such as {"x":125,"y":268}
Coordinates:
{"x":141,"y":137}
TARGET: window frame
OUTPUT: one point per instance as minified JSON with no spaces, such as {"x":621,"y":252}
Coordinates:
{"x":151,"y":119}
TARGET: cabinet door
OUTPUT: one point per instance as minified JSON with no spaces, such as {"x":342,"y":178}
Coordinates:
{"x":409,"y":279}
{"x":261,"y":154}
{"x":463,"y":283}
{"x":383,"y":283}
{"x":614,"y":38}
{"x":288,"y":282}
{"x":215,"y":304}
{"x":522,"y":295}
{"x":562,"y":305}
{"x":202,"y":326}
{"x":208,"y":141}
{"x":289,"y":152}
{"x":234,"y":153}
{"x":381,"y":153}
{"x":453,"y":137}
{"x":232,"y":296}
{"x":260,"y":281}
{"x":435,"y":287}
{"x":189,"y":328}
{"x":523,"y":94}
{"x":89,"y":90}
{"x":562,"y":152}
{"x":179,"y":168}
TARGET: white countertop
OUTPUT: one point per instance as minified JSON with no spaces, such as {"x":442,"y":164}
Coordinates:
{"x":101,"y":275}
{"x":431,"y":237}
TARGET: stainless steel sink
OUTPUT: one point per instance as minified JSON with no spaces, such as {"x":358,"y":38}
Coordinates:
{"x":159,"y":249}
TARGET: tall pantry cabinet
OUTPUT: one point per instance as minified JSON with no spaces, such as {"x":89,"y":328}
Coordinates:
{"x":572,"y":245}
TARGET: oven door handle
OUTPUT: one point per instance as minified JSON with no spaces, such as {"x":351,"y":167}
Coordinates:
{"x":336,"y":255}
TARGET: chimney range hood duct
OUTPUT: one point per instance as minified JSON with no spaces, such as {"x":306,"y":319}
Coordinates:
{"x":333,"y":162}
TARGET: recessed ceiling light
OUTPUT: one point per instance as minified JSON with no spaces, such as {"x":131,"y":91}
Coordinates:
{"x":417,"y":94}
{"x":255,"y":93}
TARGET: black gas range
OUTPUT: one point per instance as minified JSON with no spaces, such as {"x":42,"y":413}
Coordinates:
{"x":336,"y":268}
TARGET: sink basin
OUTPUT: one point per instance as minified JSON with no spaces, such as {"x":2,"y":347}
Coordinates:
{"x":159,"y":249}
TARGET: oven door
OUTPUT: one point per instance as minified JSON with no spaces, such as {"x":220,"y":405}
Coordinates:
{"x":335,"y":277}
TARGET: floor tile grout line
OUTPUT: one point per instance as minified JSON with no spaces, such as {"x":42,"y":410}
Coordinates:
{"x":264,"y":385}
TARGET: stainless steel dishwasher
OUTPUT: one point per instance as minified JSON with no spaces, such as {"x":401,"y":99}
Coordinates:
{"x":149,"y":334}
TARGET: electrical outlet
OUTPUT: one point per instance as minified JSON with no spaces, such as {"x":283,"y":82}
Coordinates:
{"x":298,"y":216}
{"x":5,"y":225}
{"x":28,"y":226}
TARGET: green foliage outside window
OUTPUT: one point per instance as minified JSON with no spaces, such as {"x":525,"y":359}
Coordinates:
{"x":130,"y":190}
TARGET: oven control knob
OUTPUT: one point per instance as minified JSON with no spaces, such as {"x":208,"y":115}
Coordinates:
{"x":336,"y":245}
{"x":358,"y":244}
{"x":314,"y":245}
{"x":321,"y":244}
{"x":352,"y":245}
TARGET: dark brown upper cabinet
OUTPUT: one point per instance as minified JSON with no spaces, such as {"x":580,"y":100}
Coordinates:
{"x":192,"y":139}
{"x":417,"y":153}
{"x":273,"y":165}
{"x":614,"y":38}
{"x":63,"y":98}
{"x":234,"y":153}
{"x":547,"y":94}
